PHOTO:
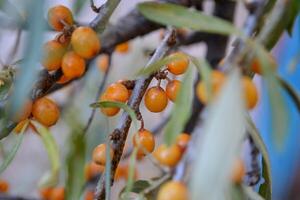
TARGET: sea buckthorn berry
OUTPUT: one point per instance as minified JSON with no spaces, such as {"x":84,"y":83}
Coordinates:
{"x":172,"y":89}
{"x":45,"y":193}
{"x":89,"y":195}
{"x":58,"y":193}
{"x":73,"y":66}
{"x":168,"y":156}
{"x":257,"y":68}
{"x":156,"y":99}
{"x":179,"y":65}
{"x":182,"y":141}
{"x":99,"y":154}
{"x":63,"y":79}
{"x":173,"y":190}
{"x":85,"y":42}
{"x":45,"y":111}
{"x":250,"y":92}
{"x":117,"y":92}
{"x":217,"y":80}
{"x":103,"y":62}
{"x":91,"y":170}
{"x":109,"y":111}
{"x":122,"y":172}
{"x":144,"y":141}
{"x":57,"y":14}
{"x":238,"y":171}
{"x":24,"y":112}
{"x":4,"y":186}
{"x":53,"y":53}
{"x":122,"y":48}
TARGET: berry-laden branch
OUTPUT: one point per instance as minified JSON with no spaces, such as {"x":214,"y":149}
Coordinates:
{"x":138,"y":92}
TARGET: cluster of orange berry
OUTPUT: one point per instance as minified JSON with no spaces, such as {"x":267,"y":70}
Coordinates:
{"x":156,"y":98}
{"x":70,"y":48}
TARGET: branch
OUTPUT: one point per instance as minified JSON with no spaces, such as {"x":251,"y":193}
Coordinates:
{"x":134,"y":102}
{"x":8,"y":197}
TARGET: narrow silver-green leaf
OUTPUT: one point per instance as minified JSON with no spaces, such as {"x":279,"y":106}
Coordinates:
{"x":51,"y":177}
{"x":107,"y":104}
{"x":266,"y":188}
{"x":10,"y":156}
{"x":132,"y":165}
{"x":75,"y":165}
{"x":181,"y":110}
{"x":221,"y":138}
{"x":179,"y":16}
{"x":78,"y":5}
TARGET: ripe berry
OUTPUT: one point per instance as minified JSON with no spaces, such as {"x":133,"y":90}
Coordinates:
{"x":58,"y":193}
{"x":24,"y":113}
{"x":89,"y":195}
{"x":73,"y":66}
{"x":172,"y":89}
{"x":117,"y":92}
{"x":4,"y":186}
{"x":238,"y":172}
{"x":156,"y":99}
{"x":53,"y":53}
{"x":122,"y":48}
{"x":45,"y":193}
{"x":109,"y":111}
{"x":63,"y":79}
{"x":179,"y":65}
{"x":99,"y":154}
{"x":85,"y":42}
{"x":103,"y":62}
{"x":144,"y":141}
{"x":91,"y":170}
{"x":256,"y":65}
{"x":168,"y":156}
{"x":45,"y":111}
{"x":250,"y":92}
{"x":173,"y":190}
{"x":182,"y":141}
{"x":58,"y":14}
{"x":217,"y":80}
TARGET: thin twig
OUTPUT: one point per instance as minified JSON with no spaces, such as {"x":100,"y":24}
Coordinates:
{"x":134,"y":102}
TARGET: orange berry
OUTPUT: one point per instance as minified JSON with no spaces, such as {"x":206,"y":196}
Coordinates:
{"x":122,"y":48}
{"x":173,"y":190}
{"x":168,"y":156}
{"x":63,"y":79}
{"x":73,"y":66}
{"x":45,"y":193}
{"x":256,"y":65}
{"x":57,"y":193}
{"x":89,"y":195}
{"x":45,"y":111}
{"x":24,"y":113}
{"x":91,"y":170}
{"x":4,"y":186}
{"x":217,"y":80}
{"x":250,"y":92}
{"x":238,"y":172}
{"x":117,"y":92}
{"x":99,"y":154}
{"x":103,"y":62}
{"x":85,"y":42}
{"x":156,"y":99}
{"x":172,"y":89}
{"x":179,"y":65}
{"x":122,"y":171}
{"x":109,"y":111}
{"x":144,"y":141}
{"x":182,"y":141}
{"x":58,"y":14}
{"x":53,"y":53}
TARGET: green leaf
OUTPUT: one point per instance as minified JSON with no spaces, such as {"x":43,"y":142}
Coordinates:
{"x":10,"y":156}
{"x":107,"y":104}
{"x":294,"y":11}
{"x":51,"y":177}
{"x":75,"y":165}
{"x":221,"y":139}
{"x":265,"y":189}
{"x":137,"y":187}
{"x":132,"y":163}
{"x":156,"y":66}
{"x":181,"y":110}
{"x":179,"y":16}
